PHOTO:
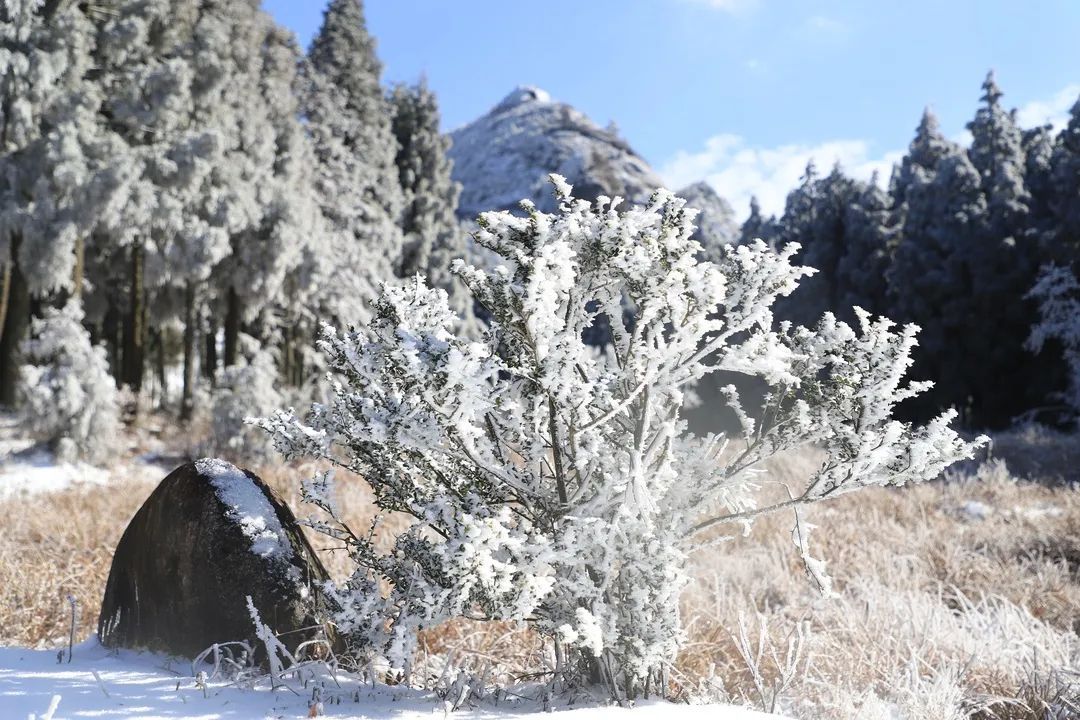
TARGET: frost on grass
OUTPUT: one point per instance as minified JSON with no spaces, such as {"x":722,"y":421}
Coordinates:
{"x":555,"y":483}
{"x":248,"y":507}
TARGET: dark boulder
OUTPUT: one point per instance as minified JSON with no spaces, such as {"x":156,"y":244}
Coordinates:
{"x":209,"y":536}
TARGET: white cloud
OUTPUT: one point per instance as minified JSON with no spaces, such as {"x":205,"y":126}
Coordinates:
{"x":739,"y":171}
{"x":729,"y":6}
{"x":1054,"y":110}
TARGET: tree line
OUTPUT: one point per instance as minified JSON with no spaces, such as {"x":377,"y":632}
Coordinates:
{"x":202,"y":190}
{"x":954,"y":244}
{"x":197,"y":191}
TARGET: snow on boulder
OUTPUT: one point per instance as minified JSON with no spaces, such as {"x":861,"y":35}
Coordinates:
{"x":209,"y":536}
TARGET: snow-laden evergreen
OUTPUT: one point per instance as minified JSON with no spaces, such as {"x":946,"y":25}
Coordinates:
{"x":355,"y":177}
{"x":869,"y":236}
{"x":1058,"y":294}
{"x":434,"y":238}
{"x":554,"y":482}
{"x":47,"y":145}
{"x":68,"y":398}
{"x":757,"y":226}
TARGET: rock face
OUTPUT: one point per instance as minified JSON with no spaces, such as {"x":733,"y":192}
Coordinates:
{"x":716,"y":224}
{"x":209,"y":536}
{"x":507,"y":154}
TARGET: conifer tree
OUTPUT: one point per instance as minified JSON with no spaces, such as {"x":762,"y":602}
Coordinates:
{"x":997,"y":153}
{"x":757,"y":226}
{"x":928,"y":148}
{"x":47,"y":202}
{"x":356,"y":181}
{"x":1003,"y":266}
{"x":930,"y":280}
{"x":870,"y":236}
{"x":433,"y":236}
{"x":815,"y":218}
{"x":1065,"y":200}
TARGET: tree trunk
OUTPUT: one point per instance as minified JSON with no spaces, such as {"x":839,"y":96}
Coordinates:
{"x":79,"y":270}
{"x":159,"y":367}
{"x":186,"y":402}
{"x":232,"y":327}
{"x":110,"y":328}
{"x":16,"y":322}
{"x":210,"y":366}
{"x":135,"y":324}
{"x":5,"y":293}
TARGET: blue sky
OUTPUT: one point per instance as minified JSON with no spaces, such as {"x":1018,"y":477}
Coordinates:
{"x":739,"y":92}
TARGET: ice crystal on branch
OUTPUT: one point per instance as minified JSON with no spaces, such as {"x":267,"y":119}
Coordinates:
{"x":554,"y":482}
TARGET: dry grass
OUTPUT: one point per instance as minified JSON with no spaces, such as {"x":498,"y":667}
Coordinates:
{"x":954,"y":599}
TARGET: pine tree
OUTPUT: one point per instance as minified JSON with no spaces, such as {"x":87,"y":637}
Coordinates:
{"x":930,"y":280}
{"x":433,"y":236}
{"x":356,"y":181}
{"x":997,"y":153}
{"x":815,"y":217}
{"x":757,"y":226}
{"x":928,"y":148}
{"x":68,"y":398}
{"x":47,"y":143}
{"x":870,"y":235}
{"x":1065,"y":173}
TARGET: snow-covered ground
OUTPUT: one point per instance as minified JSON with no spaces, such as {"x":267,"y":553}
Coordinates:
{"x":36,"y":471}
{"x":99,"y":683}
{"x":29,"y":470}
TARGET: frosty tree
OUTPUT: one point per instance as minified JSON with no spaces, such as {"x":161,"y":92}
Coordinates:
{"x":1058,"y":294}
{"x":869,"y":238}
{"x":355,"y":177}
{"x":47,"y":201}
{"x":757,"y":226}
{"x":68,"y":397}
{"x":433,"y":236}
{"x":553,"y":482}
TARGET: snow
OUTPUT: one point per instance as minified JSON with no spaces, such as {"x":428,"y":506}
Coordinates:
{"x":507,"y":155}
{"x":248,"y":507}
{"x":27,"y":470}
{"x":39,"y":472}
{"x":109,"y":685}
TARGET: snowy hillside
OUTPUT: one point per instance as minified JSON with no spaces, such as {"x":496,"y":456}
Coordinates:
{"x":507,"y":154}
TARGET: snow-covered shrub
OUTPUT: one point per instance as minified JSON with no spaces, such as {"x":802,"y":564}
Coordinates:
{"x":1058,"y":293}
{"x":247,"y":388}
{"x":553,"y":482}
{"x":68,"y":398}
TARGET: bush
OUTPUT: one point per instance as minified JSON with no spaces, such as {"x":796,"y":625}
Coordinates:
{"x":553,"y":482}
{"x":67,"y":396}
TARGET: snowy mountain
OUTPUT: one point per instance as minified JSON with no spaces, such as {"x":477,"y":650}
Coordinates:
{"x":507,"y":154}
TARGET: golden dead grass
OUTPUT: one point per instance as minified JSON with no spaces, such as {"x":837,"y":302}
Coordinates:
{"x":953,"y":598}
